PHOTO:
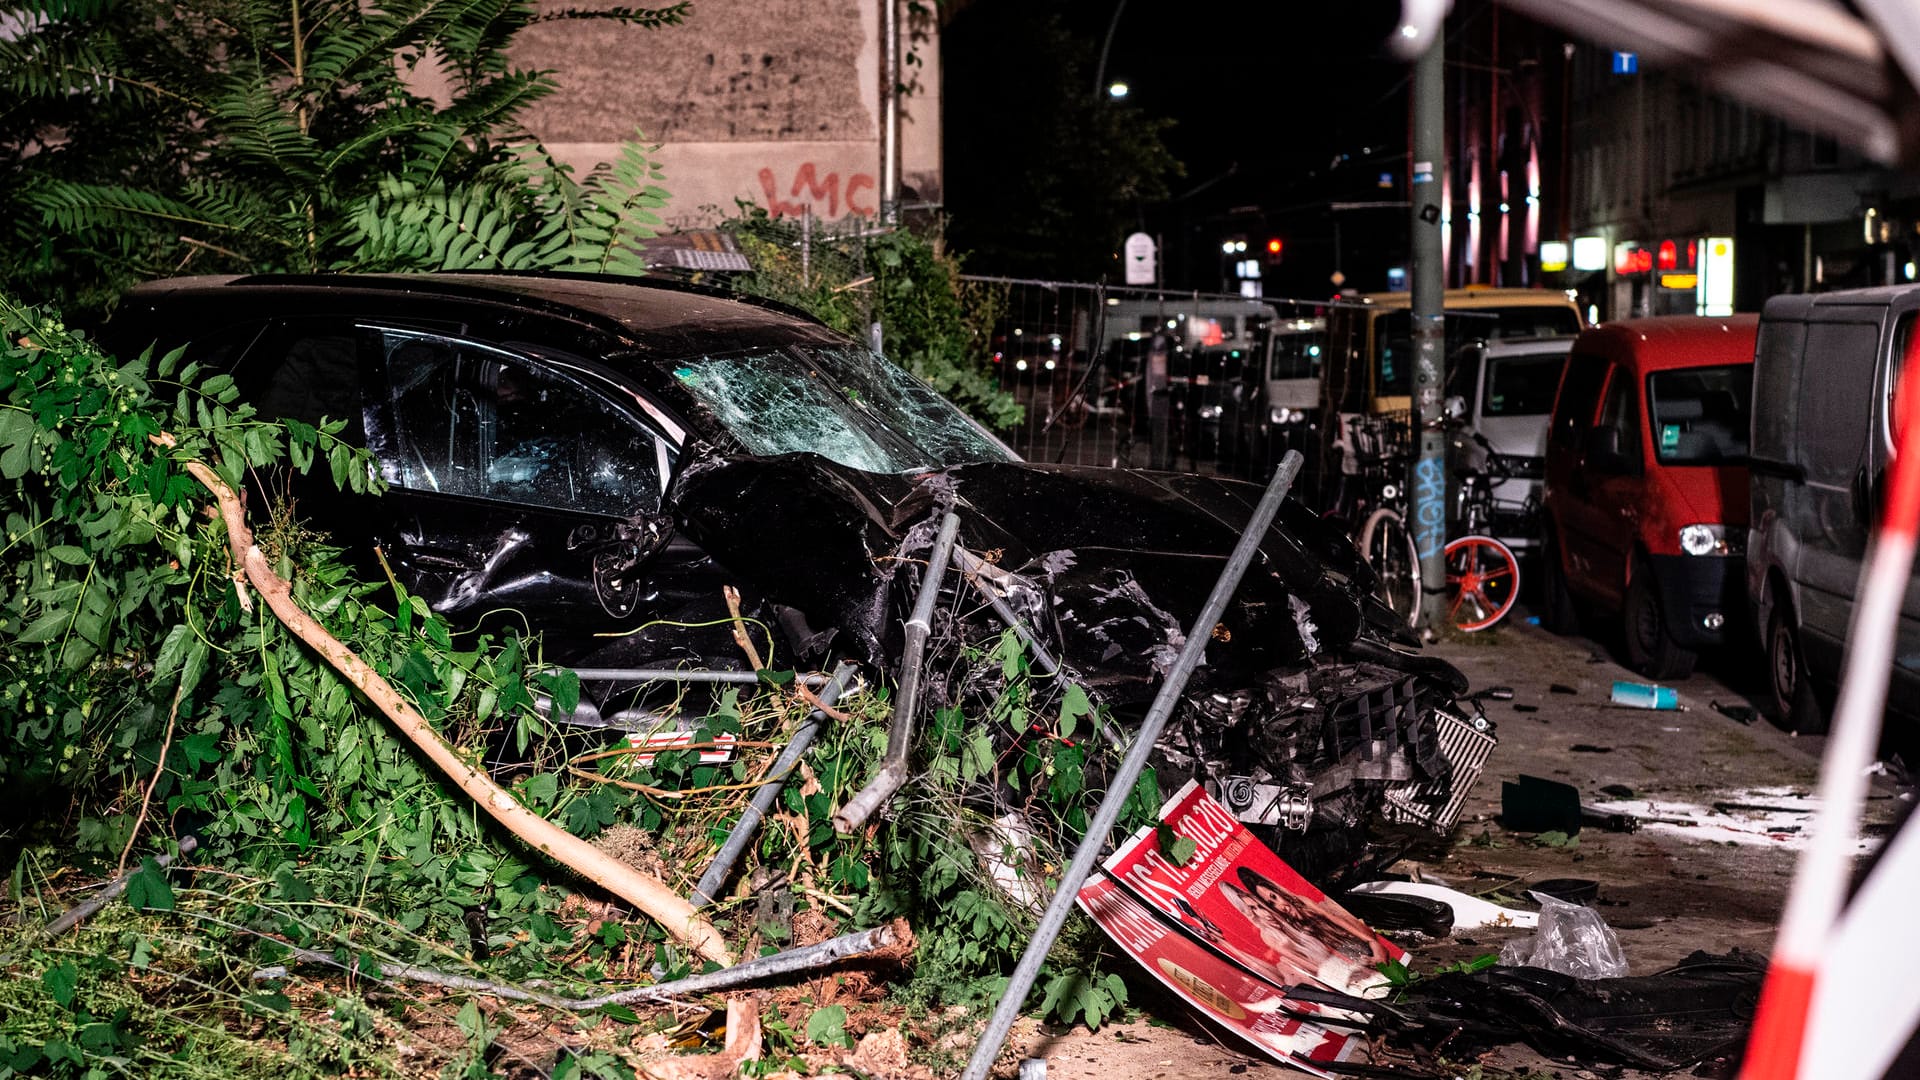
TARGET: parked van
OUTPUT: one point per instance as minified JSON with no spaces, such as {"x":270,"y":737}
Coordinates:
{"x":1646,"y":490}
{"x":1505,"y":390}
{"x":1823,"y":379}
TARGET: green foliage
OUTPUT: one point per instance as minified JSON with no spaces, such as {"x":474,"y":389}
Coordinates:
{"x":129,"y":657}
{"x":251,"y":136}
{"x":933,"y":324}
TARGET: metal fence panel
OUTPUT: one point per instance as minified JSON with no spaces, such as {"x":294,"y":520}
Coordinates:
{"x":1149,"y":378}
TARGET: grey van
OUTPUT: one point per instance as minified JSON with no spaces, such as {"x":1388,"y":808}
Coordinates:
{"x":1823,"y":376}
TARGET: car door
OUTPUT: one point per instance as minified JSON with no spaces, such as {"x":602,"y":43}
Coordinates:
{"x":1829,"y":515}
{"x":528,"y":490}
{"x":1614,"y":468}
{"x":1587,"y":499}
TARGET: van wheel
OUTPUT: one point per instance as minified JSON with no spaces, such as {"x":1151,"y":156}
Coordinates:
{"x":1651,"y":650}
{"x":1793,"y":702}
{"x":1556,"y":609}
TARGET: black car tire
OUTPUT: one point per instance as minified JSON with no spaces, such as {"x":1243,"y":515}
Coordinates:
{"x":1651,"y":650}
{"x":1794,"y":704}
{"x":1557,"y":613}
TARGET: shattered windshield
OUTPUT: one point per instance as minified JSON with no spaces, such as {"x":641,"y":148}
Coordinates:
{"x":843,"y":403}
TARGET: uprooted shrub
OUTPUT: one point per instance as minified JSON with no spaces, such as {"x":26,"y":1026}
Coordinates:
{"x":145,"y":697}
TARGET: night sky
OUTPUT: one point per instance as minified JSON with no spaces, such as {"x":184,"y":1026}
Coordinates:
{"x":1264,"y":98}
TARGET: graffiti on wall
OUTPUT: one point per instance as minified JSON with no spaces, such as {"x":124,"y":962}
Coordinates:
{"x":824,"y":193}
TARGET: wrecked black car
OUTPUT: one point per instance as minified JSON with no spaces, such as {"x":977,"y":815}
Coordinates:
{"x":596,"y":459}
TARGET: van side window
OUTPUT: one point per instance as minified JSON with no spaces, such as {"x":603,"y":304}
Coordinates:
{"x":1579,"y":391}
{"x":1621,"y":413}
{"x":1836,"y":399}
{"x":1776,"y":373}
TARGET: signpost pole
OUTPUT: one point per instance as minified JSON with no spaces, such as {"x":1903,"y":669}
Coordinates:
{"x":1428,"y":482}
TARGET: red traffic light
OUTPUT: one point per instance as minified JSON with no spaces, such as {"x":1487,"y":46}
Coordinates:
{"x":1273,"y":246}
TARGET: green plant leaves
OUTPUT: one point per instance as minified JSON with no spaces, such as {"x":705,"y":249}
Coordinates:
{"x":828,"y":1027}
{"x":148,"y":889}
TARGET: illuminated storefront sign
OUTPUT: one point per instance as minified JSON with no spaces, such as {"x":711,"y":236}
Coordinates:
{"x":1713,"y":294}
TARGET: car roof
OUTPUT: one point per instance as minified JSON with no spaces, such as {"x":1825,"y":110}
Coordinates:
{"x":1673,"y":341}
{"x":648,"y":315}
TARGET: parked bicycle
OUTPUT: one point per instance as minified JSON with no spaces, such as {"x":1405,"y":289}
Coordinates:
{"x":1371,"y":492}
{"x":1483,"y":575}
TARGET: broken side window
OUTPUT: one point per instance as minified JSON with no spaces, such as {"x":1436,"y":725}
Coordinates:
{"x":476,"y":421}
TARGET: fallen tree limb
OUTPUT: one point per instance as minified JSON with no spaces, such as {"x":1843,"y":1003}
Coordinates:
{"x":651,"y":897}
{"x":896,"y":938}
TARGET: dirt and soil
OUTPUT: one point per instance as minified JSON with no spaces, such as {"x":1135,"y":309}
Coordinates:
{"x":1667,"y":890}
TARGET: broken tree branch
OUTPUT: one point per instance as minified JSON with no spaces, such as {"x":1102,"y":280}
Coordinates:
{"x":645,"y":893}
{"x":740,"y":627}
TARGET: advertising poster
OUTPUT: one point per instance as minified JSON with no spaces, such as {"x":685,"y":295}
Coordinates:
{"x":1234,"y":894}
{"x":1219,"y":990}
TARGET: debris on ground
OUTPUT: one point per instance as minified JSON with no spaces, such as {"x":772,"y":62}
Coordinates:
{"x":1571,"y":939}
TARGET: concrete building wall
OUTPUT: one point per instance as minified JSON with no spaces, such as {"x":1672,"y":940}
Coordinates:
{"x":773,"y":101}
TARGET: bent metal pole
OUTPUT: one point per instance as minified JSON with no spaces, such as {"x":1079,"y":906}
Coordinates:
{"x":893,"y":768}
{"x":1095,"y":841}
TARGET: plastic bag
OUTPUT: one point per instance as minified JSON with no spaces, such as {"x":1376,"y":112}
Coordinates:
{"x":1572,"y":940}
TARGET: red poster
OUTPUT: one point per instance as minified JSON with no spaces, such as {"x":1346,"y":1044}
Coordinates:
{"x":1236,"y":895}
{"x":1219,"y":990}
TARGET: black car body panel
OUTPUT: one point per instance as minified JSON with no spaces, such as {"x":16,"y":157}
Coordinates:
{"x":561,"y":454}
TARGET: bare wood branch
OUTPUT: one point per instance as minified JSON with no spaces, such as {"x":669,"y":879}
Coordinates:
{"x":645,"y":893}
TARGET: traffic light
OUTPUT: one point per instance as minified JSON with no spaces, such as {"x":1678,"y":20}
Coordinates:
{"x":1274,"y":250}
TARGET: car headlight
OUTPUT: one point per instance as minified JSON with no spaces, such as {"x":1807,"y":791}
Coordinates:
{"x":1709,"y":540}
{"x":1210,"y":412}
{"x":1280,"y":414}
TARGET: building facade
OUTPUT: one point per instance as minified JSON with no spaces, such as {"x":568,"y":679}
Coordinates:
{"x":776,"y":102}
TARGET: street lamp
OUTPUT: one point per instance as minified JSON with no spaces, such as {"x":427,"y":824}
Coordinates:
{"x":1117,"y":90}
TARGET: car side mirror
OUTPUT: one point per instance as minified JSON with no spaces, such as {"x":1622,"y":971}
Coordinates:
{"x":1456,"y":408}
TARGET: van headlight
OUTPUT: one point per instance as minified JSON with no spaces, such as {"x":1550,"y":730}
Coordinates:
{"x":1709,"y":540}
{"x":1210,"y":412}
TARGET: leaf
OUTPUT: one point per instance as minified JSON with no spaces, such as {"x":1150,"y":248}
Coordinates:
{"x":147,"y":888}
{"x":976,"y":756}
{"x":1073,"y":706}
{"x":828,"y":1027}
{"x":60,"y":980}
{"x":1178,"y":849}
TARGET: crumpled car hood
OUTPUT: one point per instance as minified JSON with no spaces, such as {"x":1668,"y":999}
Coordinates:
{"x":1126,"y":557}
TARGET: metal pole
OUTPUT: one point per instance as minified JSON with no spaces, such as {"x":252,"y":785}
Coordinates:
{"x":715,"y":878}
{"x":692,"y":675}
{"x":1095,"y":841}
{"x":890,"y":111}
{"x":1429,"y":480}
{"x":893,"y":768}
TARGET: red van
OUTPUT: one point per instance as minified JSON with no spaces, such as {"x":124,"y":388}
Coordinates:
{"x":1646,"y":487}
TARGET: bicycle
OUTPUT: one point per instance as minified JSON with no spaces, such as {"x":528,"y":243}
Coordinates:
{"x":1380,"y":450}
{"x":1483,"y":575}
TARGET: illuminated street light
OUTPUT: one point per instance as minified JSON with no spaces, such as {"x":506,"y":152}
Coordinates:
{"x":1117,"y":90}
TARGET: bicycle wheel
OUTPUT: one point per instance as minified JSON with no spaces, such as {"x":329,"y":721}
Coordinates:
{"x":1388,"y":547}
{"x":1483,"y":579}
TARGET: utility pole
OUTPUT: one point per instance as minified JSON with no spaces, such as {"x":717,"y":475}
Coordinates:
{"x":1429,"y":480}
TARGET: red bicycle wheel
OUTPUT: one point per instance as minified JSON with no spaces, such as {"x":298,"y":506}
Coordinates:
{"x":1484,"y":580}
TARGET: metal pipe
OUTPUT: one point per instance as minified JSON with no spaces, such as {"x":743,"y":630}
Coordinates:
{"x":893,"y":768}
{"x":890,"y":111}
{"x":587,"y":715}
{"x":805,"y":958}
{"x":1095,"y":841}
{"x":970,"y":567}
{"x":763,"y":796}
{"x":813,"y":680}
